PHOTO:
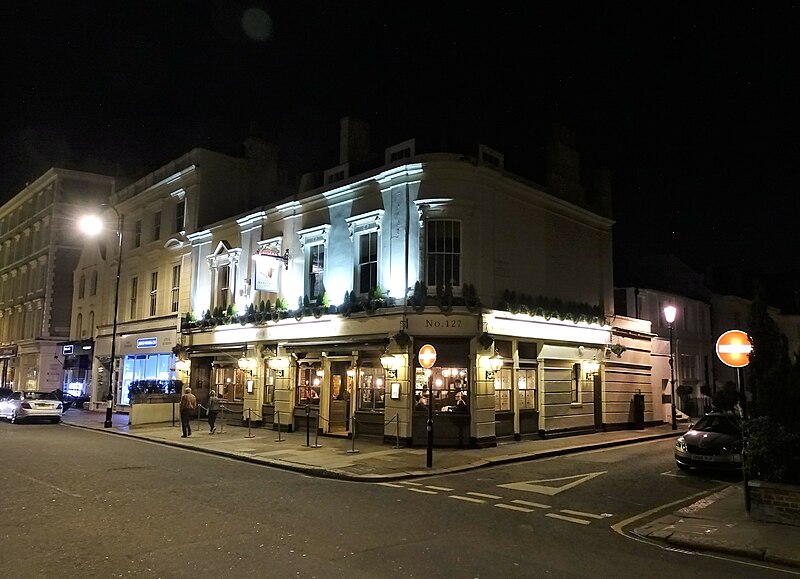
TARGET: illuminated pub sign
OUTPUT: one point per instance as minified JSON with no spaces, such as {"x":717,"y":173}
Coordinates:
{"x":267,"y":270}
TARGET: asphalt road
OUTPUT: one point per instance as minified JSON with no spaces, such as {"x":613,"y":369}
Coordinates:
{"x":87,"y":504}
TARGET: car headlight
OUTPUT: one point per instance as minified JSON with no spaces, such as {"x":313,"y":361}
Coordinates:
{"x":680,"y":444}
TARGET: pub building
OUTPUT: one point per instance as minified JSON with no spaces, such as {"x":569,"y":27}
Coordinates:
{"x":312,"y":311}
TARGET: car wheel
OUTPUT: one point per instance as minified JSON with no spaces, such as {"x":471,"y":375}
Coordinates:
{"x":13,"y":418}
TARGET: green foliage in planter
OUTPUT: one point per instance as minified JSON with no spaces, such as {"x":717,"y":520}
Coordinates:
{"x":420,"y":297}
{"x":725,"y":398}
{"x":281,"y":305}
{"x":771,"y":452}
{"x":139,"y":388}
{"x":444,"y":294}
{"x":550,"y":307}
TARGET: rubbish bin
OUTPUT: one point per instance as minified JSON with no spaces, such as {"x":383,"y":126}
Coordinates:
{"x":638,"y":411}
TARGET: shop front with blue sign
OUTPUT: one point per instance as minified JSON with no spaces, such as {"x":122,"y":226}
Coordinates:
{"x":147,"y":365}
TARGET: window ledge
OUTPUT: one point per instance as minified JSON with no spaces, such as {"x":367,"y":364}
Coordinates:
{"x":575,"y":404}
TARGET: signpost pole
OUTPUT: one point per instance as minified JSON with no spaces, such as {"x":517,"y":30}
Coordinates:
{"x":429,"y":453}
{"x":733,"y":349}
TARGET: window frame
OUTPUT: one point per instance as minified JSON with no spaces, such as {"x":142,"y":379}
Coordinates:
{"x":433,"y":277}
{"x":133,"y":297}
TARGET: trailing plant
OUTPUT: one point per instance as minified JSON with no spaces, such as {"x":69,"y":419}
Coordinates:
{"x":420,"y":297}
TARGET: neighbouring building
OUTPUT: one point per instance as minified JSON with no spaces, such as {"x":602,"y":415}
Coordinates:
{"x":39,"y":249}
{"x":155,"y":216}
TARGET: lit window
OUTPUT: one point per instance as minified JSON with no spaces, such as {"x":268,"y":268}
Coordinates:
{"x":153,"y":292}
{"x":316,"y":270}
{"x":176,"y":286}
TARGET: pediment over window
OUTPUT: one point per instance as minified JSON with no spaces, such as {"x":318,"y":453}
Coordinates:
{"x":365,"y":223}
{"x":313,"y":235}
{"x":222,"y":247}
{"x":177,"y":241}
{"x":224,"y":254}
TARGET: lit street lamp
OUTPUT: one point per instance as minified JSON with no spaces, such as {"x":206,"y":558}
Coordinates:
{"x":93,"y":225}
{"x":669,"y":316}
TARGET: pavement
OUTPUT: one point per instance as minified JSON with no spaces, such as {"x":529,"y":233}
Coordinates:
{"x":716,"y":521}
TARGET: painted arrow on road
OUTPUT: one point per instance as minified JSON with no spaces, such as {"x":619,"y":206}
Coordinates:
{"x":535,"y":486}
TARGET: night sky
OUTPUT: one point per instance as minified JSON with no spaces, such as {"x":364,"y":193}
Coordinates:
{"x":690,"y":105}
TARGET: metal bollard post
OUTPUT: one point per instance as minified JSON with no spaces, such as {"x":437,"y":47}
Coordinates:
{"x":249,"y":420}
{"x":278,"y":412}
{"x":173,"y":414}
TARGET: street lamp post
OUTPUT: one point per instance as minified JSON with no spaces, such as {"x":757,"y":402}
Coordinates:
{"x":92,"y":225}
{"x":669,"y":316}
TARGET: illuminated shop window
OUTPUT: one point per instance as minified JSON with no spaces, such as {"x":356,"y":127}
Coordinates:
{"x":450,"y":387}
{"x":371,"y":388}
{"x":309,"y":381}
{"x":527,"y":388}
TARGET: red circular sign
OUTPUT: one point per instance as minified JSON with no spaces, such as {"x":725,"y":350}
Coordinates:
{"x":427,"y":356}
{"x":733,"y":348}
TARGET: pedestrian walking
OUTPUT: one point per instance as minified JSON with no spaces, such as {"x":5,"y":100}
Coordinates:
{"x":188,"y":408}
{"x":214,"y":406}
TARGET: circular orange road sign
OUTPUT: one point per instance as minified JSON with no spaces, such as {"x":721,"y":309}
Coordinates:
{"x":734,"y":347}
{"x":427,"y":356}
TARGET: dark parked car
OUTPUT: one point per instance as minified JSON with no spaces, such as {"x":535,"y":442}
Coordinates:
{"x":715,"y":442}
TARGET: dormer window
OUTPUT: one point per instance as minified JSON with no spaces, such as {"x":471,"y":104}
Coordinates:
{"x":404,"y":150}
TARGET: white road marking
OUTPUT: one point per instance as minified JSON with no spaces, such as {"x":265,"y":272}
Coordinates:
{"x":410,"y":483}
{"x":529,"y":486}
{"x":482,"y":495}
{"x":424,"y":492}
{"x":41,"y":482}
{"x":443,"y":489}
{"x":393,"y":485}
{"x":530,"y":504}
{"x":513,"y":508}
{"x":468,"y":499}
{"x":582,"y":514}
{"x":570,"y":519}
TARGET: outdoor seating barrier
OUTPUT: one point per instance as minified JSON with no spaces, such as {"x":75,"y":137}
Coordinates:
{"x":278,"y":417}
{"x":316,"y":435}
{"x":396,"y":420}
{"x":249,"y":421}
{"x":353,"y":435}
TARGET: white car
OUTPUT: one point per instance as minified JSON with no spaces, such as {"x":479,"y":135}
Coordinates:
{"x":31,"y":405}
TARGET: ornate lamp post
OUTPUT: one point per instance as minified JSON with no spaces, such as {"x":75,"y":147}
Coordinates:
{"x":93,"y":225}
{"x":669,"y":316}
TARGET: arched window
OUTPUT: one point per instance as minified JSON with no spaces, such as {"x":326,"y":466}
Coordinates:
{"x":79,"y":326}
{"x":82,"y":286}
{"x":90,"y":327}
{"x":93,"y":284}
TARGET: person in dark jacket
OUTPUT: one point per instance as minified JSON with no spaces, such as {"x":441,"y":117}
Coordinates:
{"x":188,"y":408}
{"x":214,"y":406}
